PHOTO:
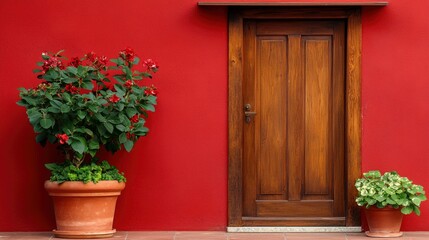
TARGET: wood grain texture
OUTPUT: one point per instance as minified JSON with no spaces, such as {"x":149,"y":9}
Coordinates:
{"x":293,"y":221}
{"x":235,"y":119}
{"x":320,"y":4}
{"x":271,"y":78}
{"x":352,"y":125}
{"x":250,"y":146}
{"x":295,"y":141}
{"x":354,"y":117}
{"x":338,"y":134}
{"x":294,"y":209}
{"x":293,"y":28}
{"x":304,"y":13}
{"x":317,"y":78}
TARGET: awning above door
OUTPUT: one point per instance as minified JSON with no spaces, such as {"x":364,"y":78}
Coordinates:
{"x":294,"y":4}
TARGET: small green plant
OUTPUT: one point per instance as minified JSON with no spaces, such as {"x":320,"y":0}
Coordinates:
{"x":391,"y":189}
{"x":91,"y":172}
{"x":85,"y":104}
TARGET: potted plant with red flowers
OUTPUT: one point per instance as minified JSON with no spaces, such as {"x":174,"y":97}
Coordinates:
{"x":83,"y":106}
{"x":386,"y":198}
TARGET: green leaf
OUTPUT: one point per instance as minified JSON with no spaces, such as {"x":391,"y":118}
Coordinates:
{"x":21,"y":89}
{"x":118,"y":61}
{"x":122,"y":138}
{"x":89,"y":132}
{"x":52,"y":166}
{"x":93,"y":108}
{"x":130,"y":112}
{"x":119,"y":90}
{"x":101,"y":101}
{"x":136,"y":60}
{"x":113,"y":68}
{"x":149,"y":107}
{"x":72,"y":70}
{"x":120,"y":106}
{"x":128,"y":145}
{"x":416,"y":210}
{"x":89,"y":96}
{"x":22,"y":103}
{"x":100,"y":117}
{"x":127,"y":72}
{"x":53,"y":110}
{"x":78,"y":146}
{"x":93,"y":145}
{"x":46,"y":123}
{"x":416,"y":201}
{"x":69,"y":80}
{"x":41,"y":138}
{"x":142,"y":132}
{"x":30,"y":101}
{"x":147,"y":75}
{"x":108,"y":126}
{"x":80,"y":71}
{"x":407,"y":210}
{"x":67,"y":97}
{"x":65,"y":108}
{"x":48,"y":96}
{"x":37,"y":70}
{"x":92,"y":152}
{"x":137,"y":77}
{"x":120,"y":127}
{"x":119,"y":79}
{"x":56,"y":103}
{"x":81,"y":114}
{"x":88,"y":85}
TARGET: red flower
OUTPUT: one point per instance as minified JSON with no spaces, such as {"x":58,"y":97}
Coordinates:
{"x":42,"y":86}
{"x":135,"y":118}
{"x":151,"y":91}
{"x":91,"y":56}
{"x":114,"y":99}
{"x":62,"y":137}
{"x":127,"y":54}
{"x":72,"y":89}
{"x":52,"y":62}
{"x":128,"y":83}
{"x":100,"y":62}
{"x":75,"y":62}
{"x":109,"y":86}
{"x":130,"y":135}
{"x":150,"y":64}
{"x":103,"y":60}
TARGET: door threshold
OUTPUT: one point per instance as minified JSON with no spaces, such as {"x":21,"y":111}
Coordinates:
{"x":339,"y":229}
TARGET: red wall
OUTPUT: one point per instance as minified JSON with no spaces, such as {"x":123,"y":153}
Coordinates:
{"x":177,"y":176}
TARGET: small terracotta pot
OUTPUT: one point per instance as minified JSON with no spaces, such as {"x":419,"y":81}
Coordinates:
{"x":84,"y":210}
{"x":384,"y":222}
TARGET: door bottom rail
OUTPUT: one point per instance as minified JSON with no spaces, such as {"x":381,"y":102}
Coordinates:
{"x":330,"y":229}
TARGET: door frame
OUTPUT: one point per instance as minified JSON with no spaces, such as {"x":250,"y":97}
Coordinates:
{"x":353,"y":121}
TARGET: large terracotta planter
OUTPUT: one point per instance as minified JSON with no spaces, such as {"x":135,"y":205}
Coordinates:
{"x":384,"y":222}
{"x":84,"y":210}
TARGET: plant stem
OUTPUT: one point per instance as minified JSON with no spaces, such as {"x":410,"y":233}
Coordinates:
{"x":77,"y":162}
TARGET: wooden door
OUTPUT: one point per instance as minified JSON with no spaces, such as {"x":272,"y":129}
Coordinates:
{"x":293,"y":143}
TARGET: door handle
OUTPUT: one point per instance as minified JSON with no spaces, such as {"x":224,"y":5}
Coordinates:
{"x":248,"y":113}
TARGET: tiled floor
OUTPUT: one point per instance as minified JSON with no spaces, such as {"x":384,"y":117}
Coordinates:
{"x":219,"y":236}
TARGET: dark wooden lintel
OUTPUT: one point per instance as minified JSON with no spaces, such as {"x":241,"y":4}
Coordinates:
{"x":295,"y":4}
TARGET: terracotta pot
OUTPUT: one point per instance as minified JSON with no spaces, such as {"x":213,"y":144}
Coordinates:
{"x":384,"y":222}
{"x":84,"y":210}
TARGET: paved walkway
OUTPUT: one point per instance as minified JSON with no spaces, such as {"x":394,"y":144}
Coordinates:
{"x":219,"y":236}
